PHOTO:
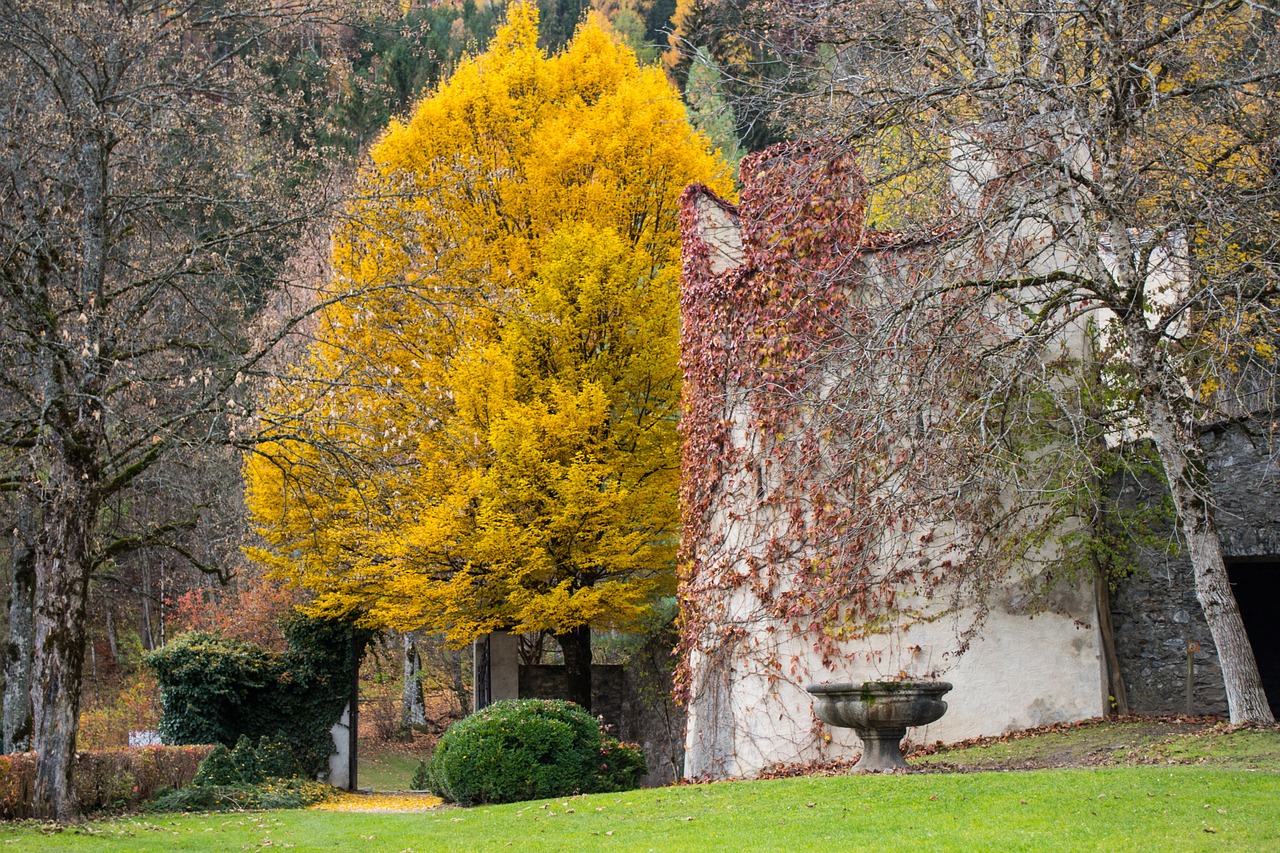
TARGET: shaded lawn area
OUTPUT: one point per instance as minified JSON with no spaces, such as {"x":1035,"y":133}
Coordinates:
{"x":385,"y":770}
{"x":1111,"y":743}
{"x":1170,"y":807}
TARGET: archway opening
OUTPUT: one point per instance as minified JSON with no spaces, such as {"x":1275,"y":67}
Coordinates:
{"x":1256,"y":584}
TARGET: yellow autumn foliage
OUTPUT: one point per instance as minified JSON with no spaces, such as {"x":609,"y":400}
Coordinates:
{"x":483,"y":435}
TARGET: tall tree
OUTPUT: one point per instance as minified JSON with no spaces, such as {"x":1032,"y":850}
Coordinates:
{"x":144,"y":204}
{"x":1140,"y":136}
{"x":492,"y":446}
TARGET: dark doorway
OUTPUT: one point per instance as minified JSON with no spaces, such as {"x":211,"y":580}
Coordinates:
{"x":1256,"y":584}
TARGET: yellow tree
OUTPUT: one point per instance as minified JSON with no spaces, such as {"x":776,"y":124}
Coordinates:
{"x":484,"y":435}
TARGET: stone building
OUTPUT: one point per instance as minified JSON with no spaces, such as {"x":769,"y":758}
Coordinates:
{"x":747,"y":665}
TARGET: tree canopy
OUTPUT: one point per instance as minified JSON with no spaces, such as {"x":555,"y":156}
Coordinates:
{"x":148,"y":197}
{"x":483,"y":434}
{"x":1114,"y":168}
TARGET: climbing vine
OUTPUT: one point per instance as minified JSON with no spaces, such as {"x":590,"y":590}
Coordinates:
{"x":866,"y":426}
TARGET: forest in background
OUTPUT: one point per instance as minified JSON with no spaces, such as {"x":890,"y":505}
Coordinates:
{"x":347,"y":80}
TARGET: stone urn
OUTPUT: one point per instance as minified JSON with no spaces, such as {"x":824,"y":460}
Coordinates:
{"x":880,"y":712}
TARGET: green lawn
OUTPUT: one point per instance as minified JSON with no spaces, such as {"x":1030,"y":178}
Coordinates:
{"x":1137,"y":808}
{"x":386,"y":771}
{"x":1112,"y":743}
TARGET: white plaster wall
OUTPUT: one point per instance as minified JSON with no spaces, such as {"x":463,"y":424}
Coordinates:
{"x":748,"y":709}
{"x":340,"y":758}
{"x":1019,"y":672}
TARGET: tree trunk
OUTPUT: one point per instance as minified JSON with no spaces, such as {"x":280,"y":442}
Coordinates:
{"x":20,"y":651}
{"x":62,"y":580}
{"x":1183,"y":462}
{"x":148,"y":636}
{"x":454,"y":657}
{"x":113,"y":641}
{"x":412,"y":710}
{"x":1117,"y":695}
{"x":576,"y":646}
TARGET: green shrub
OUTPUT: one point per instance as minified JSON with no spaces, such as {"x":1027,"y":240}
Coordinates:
{"x":424,"y":779}
{"x":528,"y":749}
{"x":261,"y":776}
{"x":217,"y":769}
{"x":622,"y":765}
{"x":248,"y":764}
{"x":275,"y":759}
{"x":215,"y":689}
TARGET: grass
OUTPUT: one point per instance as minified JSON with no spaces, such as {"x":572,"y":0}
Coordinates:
{"x":1114,"y":743}
{"x":1149,"y":787}
{"x":1149,"y":808}
{"x":1132,"y":742}
{"x":386,"y":770}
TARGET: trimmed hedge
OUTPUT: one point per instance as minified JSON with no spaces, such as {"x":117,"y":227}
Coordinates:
{"x":529,"y":749}
{"x":108,"y":778}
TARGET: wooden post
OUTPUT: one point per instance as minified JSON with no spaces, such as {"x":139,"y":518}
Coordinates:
{"x":353,"y":717}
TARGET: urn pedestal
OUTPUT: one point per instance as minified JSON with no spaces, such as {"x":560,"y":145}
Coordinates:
{"x":880,"y":712}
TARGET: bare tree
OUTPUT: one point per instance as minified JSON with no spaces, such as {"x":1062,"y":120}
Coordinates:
{"x":1117,"y":174}
{"x":145,"y":204}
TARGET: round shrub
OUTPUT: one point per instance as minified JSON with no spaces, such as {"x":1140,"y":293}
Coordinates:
{"x":523,"y":749}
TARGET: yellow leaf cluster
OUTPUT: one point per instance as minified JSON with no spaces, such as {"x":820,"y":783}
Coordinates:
{"x":484,"y":434}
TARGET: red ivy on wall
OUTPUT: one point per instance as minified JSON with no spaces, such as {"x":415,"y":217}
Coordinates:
{"x":805,"y":407}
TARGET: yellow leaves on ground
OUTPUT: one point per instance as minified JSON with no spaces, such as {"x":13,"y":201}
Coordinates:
{"x":484,"y":435}
{"x":399,"y":801}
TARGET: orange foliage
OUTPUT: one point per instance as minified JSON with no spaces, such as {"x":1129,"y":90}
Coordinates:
{"x":250,"y":611}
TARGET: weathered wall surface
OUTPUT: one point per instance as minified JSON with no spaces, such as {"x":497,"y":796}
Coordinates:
{"x":1155,"y":611}
{"x":1020,"y":671}
{"x":753,"y":656}
{"x":547,"y":681}
{"x":634,"y":700}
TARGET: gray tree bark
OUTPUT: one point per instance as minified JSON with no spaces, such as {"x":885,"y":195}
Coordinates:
{"x":412,"y":710}
{"x":1184,"y":467}
{"x":61,"y":594}
{"x":20,"y":650}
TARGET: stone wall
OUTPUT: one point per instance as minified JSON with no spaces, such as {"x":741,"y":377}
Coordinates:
{"x":1155,"y":611}
{"x":633,"y":700}
{"x":651,"y":716}
{"x":547,"y":681}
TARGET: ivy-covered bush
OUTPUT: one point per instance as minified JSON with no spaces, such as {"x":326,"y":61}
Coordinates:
{"x":265,"y":775}
{"x":214,"y":689}
{"x":528,"y":749}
